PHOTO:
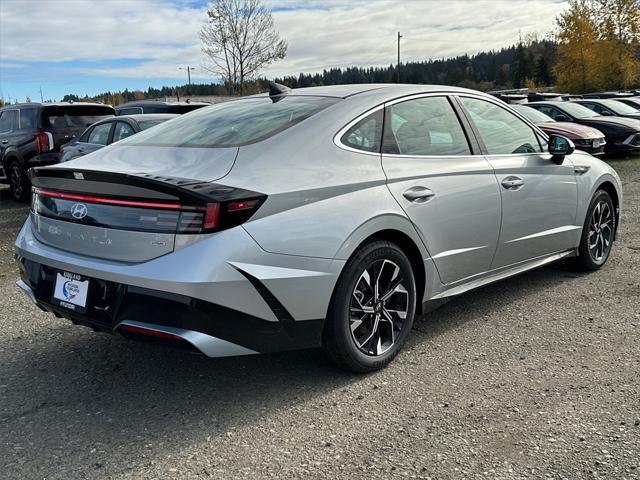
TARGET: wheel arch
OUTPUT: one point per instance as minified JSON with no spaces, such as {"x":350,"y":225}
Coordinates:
{"x":400,"y":232}
{"x":610,"y":188}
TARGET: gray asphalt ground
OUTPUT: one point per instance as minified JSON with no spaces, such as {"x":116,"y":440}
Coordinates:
{"x":534,"y":377}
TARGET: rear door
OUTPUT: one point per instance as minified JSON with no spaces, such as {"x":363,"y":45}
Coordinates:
{"x":443,"y":183}
{"x":67,"y":122}
{"x":539,"y":197}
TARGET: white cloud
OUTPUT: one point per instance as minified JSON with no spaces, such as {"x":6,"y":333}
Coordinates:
{"x":321,"y":34}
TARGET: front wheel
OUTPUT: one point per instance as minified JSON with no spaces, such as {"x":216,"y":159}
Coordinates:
{"x":372,"y":308}
{"x":597,"y":233}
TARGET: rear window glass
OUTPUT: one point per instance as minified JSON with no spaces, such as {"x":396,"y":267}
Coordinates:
{"x":74,"y":117}
{"x":144,"y":124}
{"x":232,"y":124}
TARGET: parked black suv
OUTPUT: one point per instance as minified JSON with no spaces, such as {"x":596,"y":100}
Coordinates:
{"x":31,"y":135}
{"x":157,"y":106}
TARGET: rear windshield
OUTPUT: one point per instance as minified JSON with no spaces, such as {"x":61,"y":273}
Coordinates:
{"x":232,"y":124}
{"x":144,"y":124}
{"x":74,"y":117}
{"x":578,"y":111}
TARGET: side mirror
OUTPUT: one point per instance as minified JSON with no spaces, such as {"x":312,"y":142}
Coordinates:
{"x":606,"y":113}
{"x":560,"y":147}
{"x":561,"y":118}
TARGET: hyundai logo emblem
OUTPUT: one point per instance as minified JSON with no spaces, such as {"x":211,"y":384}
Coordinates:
{"x":79,"y":211}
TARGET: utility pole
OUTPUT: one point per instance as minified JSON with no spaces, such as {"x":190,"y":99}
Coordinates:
{"x":398,"y":68}
{"x":41,"y":98}
{"x":189,"y":70}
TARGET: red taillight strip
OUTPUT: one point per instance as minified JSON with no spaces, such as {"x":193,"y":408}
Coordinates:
{"x":108,"y":201}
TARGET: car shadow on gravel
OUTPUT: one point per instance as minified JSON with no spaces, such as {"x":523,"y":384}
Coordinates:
{"x":69,"y":387}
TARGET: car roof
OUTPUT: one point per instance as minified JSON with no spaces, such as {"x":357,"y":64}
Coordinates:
{"x":146,"y":116}
{"x":56,"y":104}
{"x":374,"y":89}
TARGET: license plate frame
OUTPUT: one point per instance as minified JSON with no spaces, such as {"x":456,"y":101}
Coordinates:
{"x":71,"y":291}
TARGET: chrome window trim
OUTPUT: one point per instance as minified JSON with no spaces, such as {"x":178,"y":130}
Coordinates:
{"x":495,"y":101}
{"x":338,"y":136}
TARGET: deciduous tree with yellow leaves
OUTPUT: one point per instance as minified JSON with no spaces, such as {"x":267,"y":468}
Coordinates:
{"x":598,"y":45}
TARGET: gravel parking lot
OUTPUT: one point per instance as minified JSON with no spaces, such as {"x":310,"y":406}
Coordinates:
{"x":534,"y":377}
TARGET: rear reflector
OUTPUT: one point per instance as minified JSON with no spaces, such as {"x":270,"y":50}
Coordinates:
{"x":150,"y":332}
{"x":244,"y":205}
{"x":211,"y":215}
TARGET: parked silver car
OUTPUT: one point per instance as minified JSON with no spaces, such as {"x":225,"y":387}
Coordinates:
{"x":327,"y":216}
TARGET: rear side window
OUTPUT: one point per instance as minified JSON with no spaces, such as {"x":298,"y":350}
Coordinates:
{"x":232,"y":124}
{"x":28,"y":119}
{"x":73,"y":117}
{"x":100,"y":134}
{"x":501,"y":131}
{"x":366,"y":134}
{"x":8,"y":121}
{"x":424,"y":126}
{"x":122,"y":130}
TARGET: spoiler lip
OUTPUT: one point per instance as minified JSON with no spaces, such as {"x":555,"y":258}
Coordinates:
{"x":136,"y":187}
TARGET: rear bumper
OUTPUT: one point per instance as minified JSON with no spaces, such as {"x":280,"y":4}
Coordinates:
{"x":223,"y":286}
{"x":211,"y":329}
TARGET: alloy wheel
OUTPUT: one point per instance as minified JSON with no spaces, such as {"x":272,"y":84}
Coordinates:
{"x":15,"y":180}
{"x":600,"y":231}
{"x":378,"y":308}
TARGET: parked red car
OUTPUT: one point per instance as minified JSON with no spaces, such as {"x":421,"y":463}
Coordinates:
{"x":585,"y":138}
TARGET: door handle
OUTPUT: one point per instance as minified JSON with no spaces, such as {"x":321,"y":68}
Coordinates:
{"x":512,"y":183}
{"x":418,"y":194}
{"x":4,"y":142}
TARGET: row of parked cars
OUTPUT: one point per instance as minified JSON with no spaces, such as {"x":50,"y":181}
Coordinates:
{"x":36,"y":134}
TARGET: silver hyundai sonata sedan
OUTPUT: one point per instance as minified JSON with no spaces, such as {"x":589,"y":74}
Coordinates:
{"x":319,"y":217}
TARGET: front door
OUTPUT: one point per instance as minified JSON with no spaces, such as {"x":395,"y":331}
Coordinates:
{"x":450,"y":194}
{"x":539,"y":197}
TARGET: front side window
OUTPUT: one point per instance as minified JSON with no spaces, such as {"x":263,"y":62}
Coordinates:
{"x":366,"y":134}
{"x":501,"y":131}
{"x":100,"y":134}
{"x":424,"y":126}
{"x":8,"y":120}
{"x":234,"y":123}
{"x":122,"y":130}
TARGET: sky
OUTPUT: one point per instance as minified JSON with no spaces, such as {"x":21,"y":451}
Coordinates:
{"x":92,"y":46}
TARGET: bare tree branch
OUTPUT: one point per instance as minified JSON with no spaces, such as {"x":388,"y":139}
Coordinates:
{"x":240,"y":39}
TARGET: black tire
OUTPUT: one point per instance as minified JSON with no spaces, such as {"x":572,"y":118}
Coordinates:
{"x":382,"y":260}
{"x":590,"y":258}
{"x":18,"y":182}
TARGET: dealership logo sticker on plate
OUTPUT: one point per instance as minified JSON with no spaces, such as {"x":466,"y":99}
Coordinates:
{"x":71,"y":290}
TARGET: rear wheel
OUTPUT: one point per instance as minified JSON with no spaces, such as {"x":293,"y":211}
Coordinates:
{"x":597,"y":233}
{"x":372,"y":309}
{"x":18,"y":182}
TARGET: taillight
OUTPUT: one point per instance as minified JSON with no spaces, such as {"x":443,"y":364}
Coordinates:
{"x":145,"y":215}
{"x":43,"y":142}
